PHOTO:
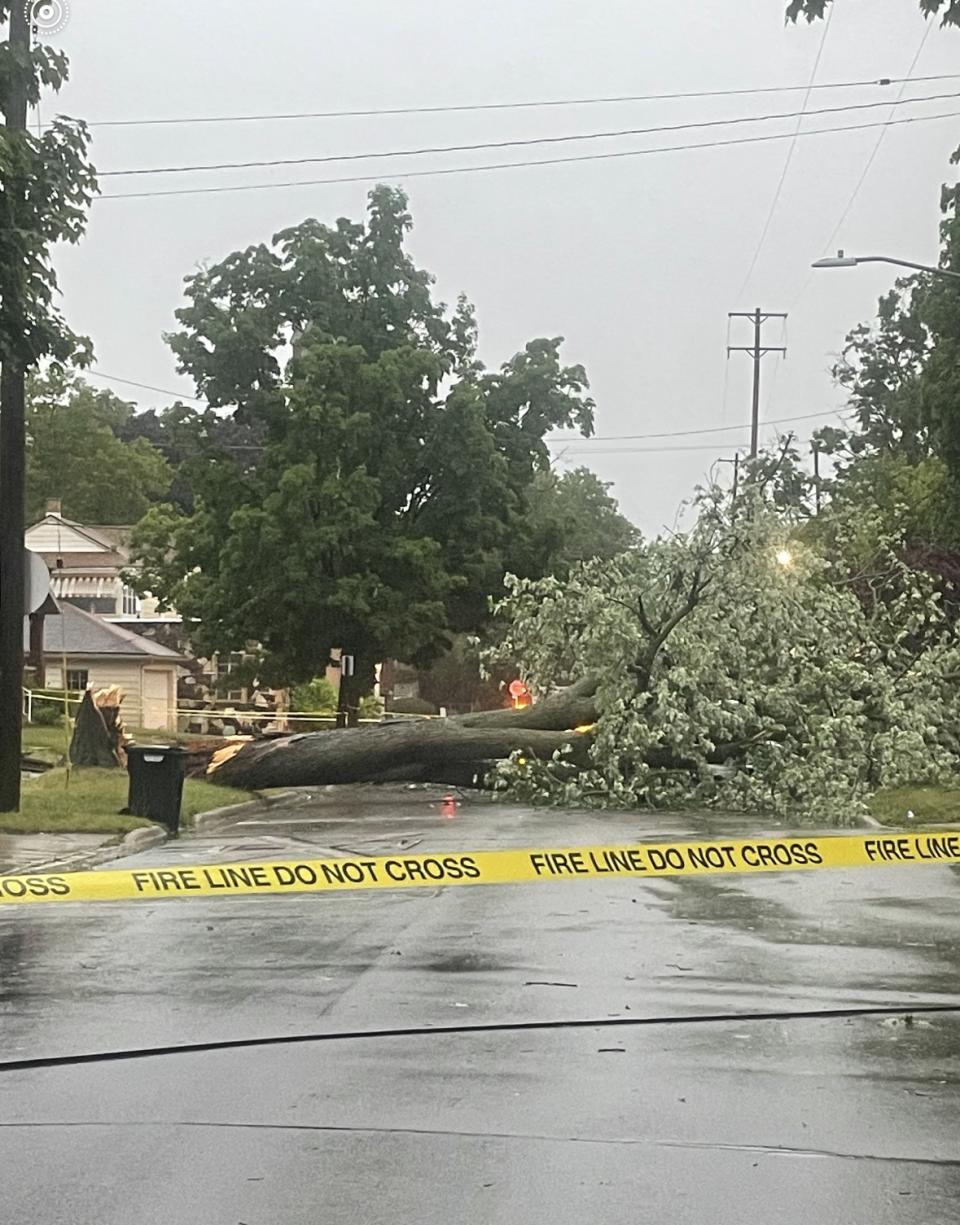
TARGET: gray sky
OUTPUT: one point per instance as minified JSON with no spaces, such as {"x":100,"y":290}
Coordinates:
{"x":636,"y":261}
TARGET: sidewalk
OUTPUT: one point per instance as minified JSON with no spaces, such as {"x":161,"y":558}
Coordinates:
{"x":24,"y":853}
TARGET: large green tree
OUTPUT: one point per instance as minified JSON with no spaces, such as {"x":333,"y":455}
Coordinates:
{"x":895,"y":467}
{"x":392,"y":479}
{"x":75,"y":453}
{"x":46,"y":184}
{"x":571,"y":517}
{"x":183,"y":434}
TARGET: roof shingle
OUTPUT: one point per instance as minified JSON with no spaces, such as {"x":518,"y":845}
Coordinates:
{"x":76,"y":632}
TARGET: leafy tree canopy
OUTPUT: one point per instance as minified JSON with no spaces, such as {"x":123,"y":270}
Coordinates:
{"x":75,"y":453}
{"x":721,"y":647}
{"x":896,"y":466}
{"x":190,"y":440}
{"x":812,"y":10}
{"x":46,"y":183}
{"x":571,"y":517}
{"x":394,"y":468}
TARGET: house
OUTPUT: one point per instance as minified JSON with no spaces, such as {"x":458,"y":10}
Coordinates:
{"x":82,"y":650}
{"x":87,"y":565}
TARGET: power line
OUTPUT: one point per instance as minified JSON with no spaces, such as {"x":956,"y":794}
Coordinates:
{"x":551,"y":161}
{"x":576,"y":438}
{"x":698,"y":446}
{"x":719,"y":444}
{"x":787,"y":160}
{"x":872,"y":157}
{"x":524,"y":142}
{"x":460,"y":108}
{"x":164,"y":391}
{"x":693,"y":446}
{"x":707,"y":429}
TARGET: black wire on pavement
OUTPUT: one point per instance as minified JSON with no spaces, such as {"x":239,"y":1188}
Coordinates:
{"x":492,"y":1027}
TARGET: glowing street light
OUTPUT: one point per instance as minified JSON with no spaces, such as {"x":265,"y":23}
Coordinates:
{"x":784,"y":558}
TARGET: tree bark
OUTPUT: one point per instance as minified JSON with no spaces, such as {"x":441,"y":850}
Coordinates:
{"x":443,"y":750}
{"x":439,"y":750}
{"x":98,"y":731}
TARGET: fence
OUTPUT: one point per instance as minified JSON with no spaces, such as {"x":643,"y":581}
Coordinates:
{"x":58,"y":697}
{"x":228,"y":714}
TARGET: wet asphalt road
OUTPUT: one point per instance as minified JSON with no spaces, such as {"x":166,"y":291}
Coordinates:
{"x":847,"y":1120}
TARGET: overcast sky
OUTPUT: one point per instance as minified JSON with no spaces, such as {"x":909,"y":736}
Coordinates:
{"x":636,"y":261}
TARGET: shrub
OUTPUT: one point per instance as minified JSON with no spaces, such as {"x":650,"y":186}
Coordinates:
{"x":47,"y":714}
{"x":314,"y":697}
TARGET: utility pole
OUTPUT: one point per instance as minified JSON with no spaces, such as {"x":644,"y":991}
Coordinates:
{"x":816,"y":474}
{"x":12,"y":458}
{"x":756,"y":351}
{"x":736,"y":472}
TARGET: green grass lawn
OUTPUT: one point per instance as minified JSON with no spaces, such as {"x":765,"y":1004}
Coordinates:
{"x":90,"y":802}
{"x":929,"y":805}
{"x":46,"y":743}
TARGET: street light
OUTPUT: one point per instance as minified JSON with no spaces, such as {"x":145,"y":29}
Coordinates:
{"x":850,"y":261}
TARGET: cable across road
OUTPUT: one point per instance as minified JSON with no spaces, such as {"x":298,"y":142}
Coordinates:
{"x":526,"y":142}
{"x":493,"y":1027}
{"x":444,"y":171}
{"x":534,"y":104}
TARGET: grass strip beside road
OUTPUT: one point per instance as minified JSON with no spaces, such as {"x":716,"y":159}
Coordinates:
{"x":929,"y":806}
{"x":90,"y":802}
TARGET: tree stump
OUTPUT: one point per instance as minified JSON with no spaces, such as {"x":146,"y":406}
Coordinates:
{"x":98,"y":734}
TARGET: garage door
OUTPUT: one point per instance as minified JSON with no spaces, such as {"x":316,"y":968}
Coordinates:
{"x":157,"y":699}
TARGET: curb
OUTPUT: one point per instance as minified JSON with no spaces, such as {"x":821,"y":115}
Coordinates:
{"x":131,"y":844}
{"x":203,"y":820}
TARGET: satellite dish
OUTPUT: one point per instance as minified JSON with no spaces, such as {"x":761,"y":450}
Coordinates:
{"x":36,"y":581}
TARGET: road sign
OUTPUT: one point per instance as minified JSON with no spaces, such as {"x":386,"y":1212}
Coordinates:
{"x":36,"y":585}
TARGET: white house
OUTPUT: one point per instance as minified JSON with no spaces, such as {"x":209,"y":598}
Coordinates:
{"x":86,"y":566}
{"x":81,"y":650}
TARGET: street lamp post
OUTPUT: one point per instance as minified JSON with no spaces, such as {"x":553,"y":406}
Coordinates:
{"x":850,"y":261}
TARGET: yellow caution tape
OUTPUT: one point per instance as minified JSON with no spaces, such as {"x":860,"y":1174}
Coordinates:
{"x":640,"y":860}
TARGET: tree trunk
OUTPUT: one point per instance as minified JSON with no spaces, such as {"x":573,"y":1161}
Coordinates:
{"x":439,"y":750}
{"x":455,"y":751}
{"x":98,"y":733}
{"x":415,"y":751}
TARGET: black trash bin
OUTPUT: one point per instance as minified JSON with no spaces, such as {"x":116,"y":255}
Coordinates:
{"x":156,"y":783}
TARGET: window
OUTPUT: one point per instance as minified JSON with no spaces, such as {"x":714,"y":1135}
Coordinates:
{"x":130,"y":602}
{"x":77,"y":679}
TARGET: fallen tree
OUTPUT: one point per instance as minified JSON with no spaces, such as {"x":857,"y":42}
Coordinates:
{"x":725,"y":668}
{"x":454,"y":750}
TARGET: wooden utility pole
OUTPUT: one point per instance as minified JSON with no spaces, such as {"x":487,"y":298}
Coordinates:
{"x":12,"y":454}
{"x":756,"y":351}
{"x":816,"y":475}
